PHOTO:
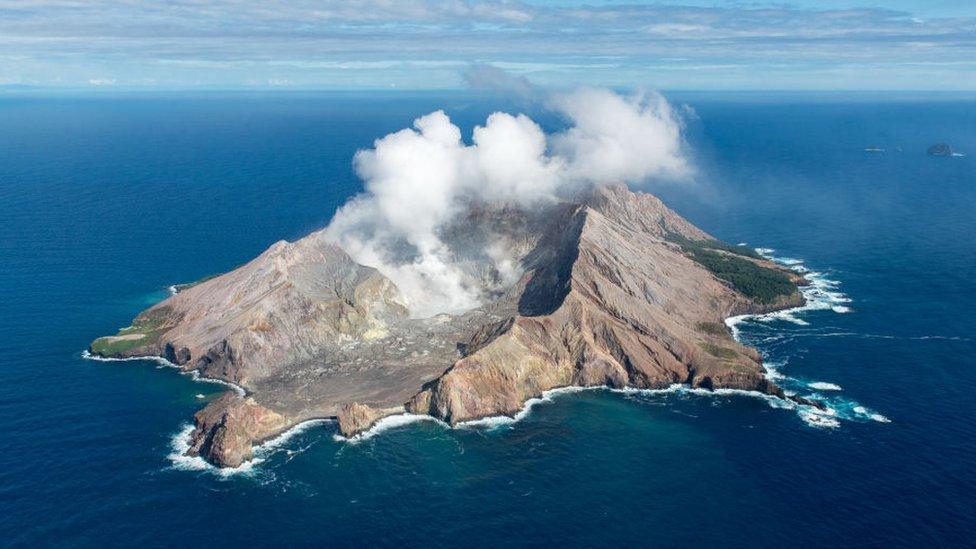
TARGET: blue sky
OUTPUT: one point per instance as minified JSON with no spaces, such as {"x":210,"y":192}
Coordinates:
{"x":421,"y":44}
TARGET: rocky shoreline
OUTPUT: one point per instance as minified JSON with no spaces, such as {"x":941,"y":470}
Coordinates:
{"x":606,"y":298}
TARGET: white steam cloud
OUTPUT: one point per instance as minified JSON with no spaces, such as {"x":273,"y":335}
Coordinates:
{"x":419,"y":180}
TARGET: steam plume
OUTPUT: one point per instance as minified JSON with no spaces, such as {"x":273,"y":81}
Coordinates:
{"x":419,"y":179}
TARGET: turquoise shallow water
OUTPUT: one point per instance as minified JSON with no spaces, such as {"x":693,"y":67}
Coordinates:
{"x":104,"y":202}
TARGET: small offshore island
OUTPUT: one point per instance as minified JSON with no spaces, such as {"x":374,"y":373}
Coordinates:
{"x":614,"y":289}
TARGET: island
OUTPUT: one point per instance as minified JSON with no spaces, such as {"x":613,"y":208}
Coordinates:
{"x":939,"y":149}
{"x":616,"y":290}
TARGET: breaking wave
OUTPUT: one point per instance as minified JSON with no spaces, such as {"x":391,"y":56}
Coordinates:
{"x":821,"y":294}
{"x":492,"y":422}
{"x":163,"y":363}
{"x":819,"y":418}
{"x":180,"y":443}
{"x":385,"y":424}
{"x":281,"y":439}
{"x":824,"y":386}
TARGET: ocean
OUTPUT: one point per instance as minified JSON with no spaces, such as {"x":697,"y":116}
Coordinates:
{"x":108,"y":199}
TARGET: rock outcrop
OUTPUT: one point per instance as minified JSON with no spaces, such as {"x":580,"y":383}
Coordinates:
{"x":355,"y":418}
{"x":609,"y":295}
{"x":939,"y":149}
{"x":227,"y":427}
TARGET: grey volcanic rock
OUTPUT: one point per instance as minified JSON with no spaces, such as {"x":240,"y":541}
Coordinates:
{"x":605,"y":298}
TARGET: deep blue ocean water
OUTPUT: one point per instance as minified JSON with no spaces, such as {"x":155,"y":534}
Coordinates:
{"x":107,"y":200}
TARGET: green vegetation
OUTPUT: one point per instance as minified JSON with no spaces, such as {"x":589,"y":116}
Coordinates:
{"x":144,"y":330}
{"x":712,"y":328}
{"x":718,"y":352}
{"x":686,"y":243}
{"x":762,"y":284}
{"x":726,"y":262}
{"x":114,"y":345}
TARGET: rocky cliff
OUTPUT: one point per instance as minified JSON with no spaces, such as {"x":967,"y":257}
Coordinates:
{"x":616,"y":289}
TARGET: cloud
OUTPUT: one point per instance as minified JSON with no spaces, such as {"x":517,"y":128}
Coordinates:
{"x":421,"y":43}
{"x":419,"y":180}
{"x":619,"y":139}
{"x":278,"y":82}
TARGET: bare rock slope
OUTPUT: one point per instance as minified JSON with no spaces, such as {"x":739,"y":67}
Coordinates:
{"x":616,"y":290}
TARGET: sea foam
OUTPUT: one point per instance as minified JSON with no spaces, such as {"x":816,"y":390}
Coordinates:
{"x":163,"y":363}
{"x":824,"y":386}
{"x":491,"y":422}
{"x":385,"y":424}
{"x":179,"y":445}
{"x":820,"y":293}
{"x":281,"y":439}
{"x":814,"y":419}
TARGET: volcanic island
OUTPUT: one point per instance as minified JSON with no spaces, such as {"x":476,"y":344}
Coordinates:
{"x":615,"y":290}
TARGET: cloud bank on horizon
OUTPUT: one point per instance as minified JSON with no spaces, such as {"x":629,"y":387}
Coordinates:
{"x":420,"y":180}
{"x":356,"y":44}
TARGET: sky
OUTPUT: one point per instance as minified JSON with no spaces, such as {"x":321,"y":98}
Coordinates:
{"x":422,"y":44}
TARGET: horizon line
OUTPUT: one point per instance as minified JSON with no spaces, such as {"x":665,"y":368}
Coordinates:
{"x":315,"y":89}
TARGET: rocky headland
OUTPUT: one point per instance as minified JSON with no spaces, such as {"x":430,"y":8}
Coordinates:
{"x":615,"y":290}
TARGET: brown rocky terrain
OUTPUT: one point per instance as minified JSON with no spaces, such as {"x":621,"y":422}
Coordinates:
{"x":609,"y":296}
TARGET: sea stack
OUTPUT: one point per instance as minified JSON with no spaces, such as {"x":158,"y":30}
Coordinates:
{"x":939,"y":149}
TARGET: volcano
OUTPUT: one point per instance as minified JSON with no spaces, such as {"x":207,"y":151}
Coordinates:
{"x":612,"y":288}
